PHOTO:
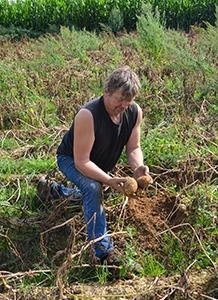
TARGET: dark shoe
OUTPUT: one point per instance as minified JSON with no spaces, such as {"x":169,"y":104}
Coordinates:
{"x":72,"y":194}
{"x":113,"y":258}
{"x":93,"y":259}
{"x":55,"y":190}
{"x":119,"y":267}
{"x":43,"y":193}
{"x":114,"y":263}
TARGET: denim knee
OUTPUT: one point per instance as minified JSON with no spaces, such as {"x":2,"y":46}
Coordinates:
{"x":92,"y":199}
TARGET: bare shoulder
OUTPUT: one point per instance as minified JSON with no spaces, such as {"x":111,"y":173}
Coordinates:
{"x":83,"y":112}
{"x":83,"y":129}
{"x":139,"y":118}
{"x":84,"y":115}
{"x":139,"y":107}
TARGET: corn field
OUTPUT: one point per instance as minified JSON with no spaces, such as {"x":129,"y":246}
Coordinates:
{"x":40,"y":16}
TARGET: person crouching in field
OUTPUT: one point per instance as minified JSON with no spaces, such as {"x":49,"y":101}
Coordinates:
{"x":92,"y":146}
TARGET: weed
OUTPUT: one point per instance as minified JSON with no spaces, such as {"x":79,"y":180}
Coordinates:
{"x":131,"y":260}
{"x":151,"y":31}
{"x":103,"y":274}
{"x":173,"y":255}
{"x":166,"y":144}
{"x":42,"y":277}
{"x":151,"y":265}
{"x":115,"y":20}
{"x":86,"y":274}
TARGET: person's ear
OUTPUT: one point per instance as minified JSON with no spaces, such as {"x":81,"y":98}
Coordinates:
{"x":106,"y":92}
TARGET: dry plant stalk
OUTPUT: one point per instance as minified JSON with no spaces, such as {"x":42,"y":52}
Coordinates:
{"x":126,"y":199}
{"x":65,"y":266}
{"x":70,"y":256}
{"x":6,"y":285}
{"x":4,"y":275}
{"x":12,"y":246}
{"x":42,"y":245}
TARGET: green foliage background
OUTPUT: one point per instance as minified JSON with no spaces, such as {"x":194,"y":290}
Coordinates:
{"x":29,"y":17}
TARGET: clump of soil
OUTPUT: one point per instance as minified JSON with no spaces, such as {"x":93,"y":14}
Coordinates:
{"x":153,"y":214}
{"x":150,"y":214}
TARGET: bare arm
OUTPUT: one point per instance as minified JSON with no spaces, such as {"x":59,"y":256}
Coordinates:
{"x":133,"y":149}
{"x":83,"y":142}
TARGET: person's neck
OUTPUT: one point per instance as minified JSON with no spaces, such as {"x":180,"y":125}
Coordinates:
{"x":116,"y":119}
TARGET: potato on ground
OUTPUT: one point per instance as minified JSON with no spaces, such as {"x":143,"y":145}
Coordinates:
{"x":144,"y":180}
{"x":130,"y":186}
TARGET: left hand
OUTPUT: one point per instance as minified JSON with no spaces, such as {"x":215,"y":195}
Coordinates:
{"x":140,"y":171}
{"x":117,"y":183}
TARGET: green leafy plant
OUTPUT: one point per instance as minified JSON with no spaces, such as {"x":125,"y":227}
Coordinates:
{"x":132,"y":261}
{"x":151,"y":265}
{"x":150,"y":31}
{"x":164,"y":144}
{"x":115,"y":20}
{"x":103,"y":274}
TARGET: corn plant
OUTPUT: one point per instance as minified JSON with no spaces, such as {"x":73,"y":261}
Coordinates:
{"x":40,"y":16}
{"x":182,"y":14}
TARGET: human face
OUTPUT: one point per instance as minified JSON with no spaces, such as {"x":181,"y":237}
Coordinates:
{"x":116,"y":103}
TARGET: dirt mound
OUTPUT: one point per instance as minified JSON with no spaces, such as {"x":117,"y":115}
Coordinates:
{"x":153,"y":214}
{"x":149,"y":215}
{"x":60,"y":222}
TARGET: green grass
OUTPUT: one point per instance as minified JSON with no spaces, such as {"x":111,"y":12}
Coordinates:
{"x":151,"y":266}
{"x":26,"y":166}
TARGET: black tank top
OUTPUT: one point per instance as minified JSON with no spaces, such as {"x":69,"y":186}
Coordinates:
{"x":110,"y":138}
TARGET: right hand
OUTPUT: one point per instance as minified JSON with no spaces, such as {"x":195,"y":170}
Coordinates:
{"x":140,"y":171}
{"x":117,"y":183}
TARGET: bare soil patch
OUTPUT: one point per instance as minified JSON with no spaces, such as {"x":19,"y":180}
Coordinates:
{"x":193,"y":285}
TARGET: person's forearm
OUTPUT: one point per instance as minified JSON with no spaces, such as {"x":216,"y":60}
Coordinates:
{"x":91,"y":170}
{"x":135,"y":158}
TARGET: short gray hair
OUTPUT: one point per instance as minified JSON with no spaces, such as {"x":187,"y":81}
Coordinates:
{"x":125,"y":79}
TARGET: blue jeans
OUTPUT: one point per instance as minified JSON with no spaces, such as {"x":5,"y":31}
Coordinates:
{"x":94,"y":214}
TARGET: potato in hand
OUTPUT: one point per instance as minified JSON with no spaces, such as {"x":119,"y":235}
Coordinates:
{"x":130,"y":186}
{"x":144,"y":180}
